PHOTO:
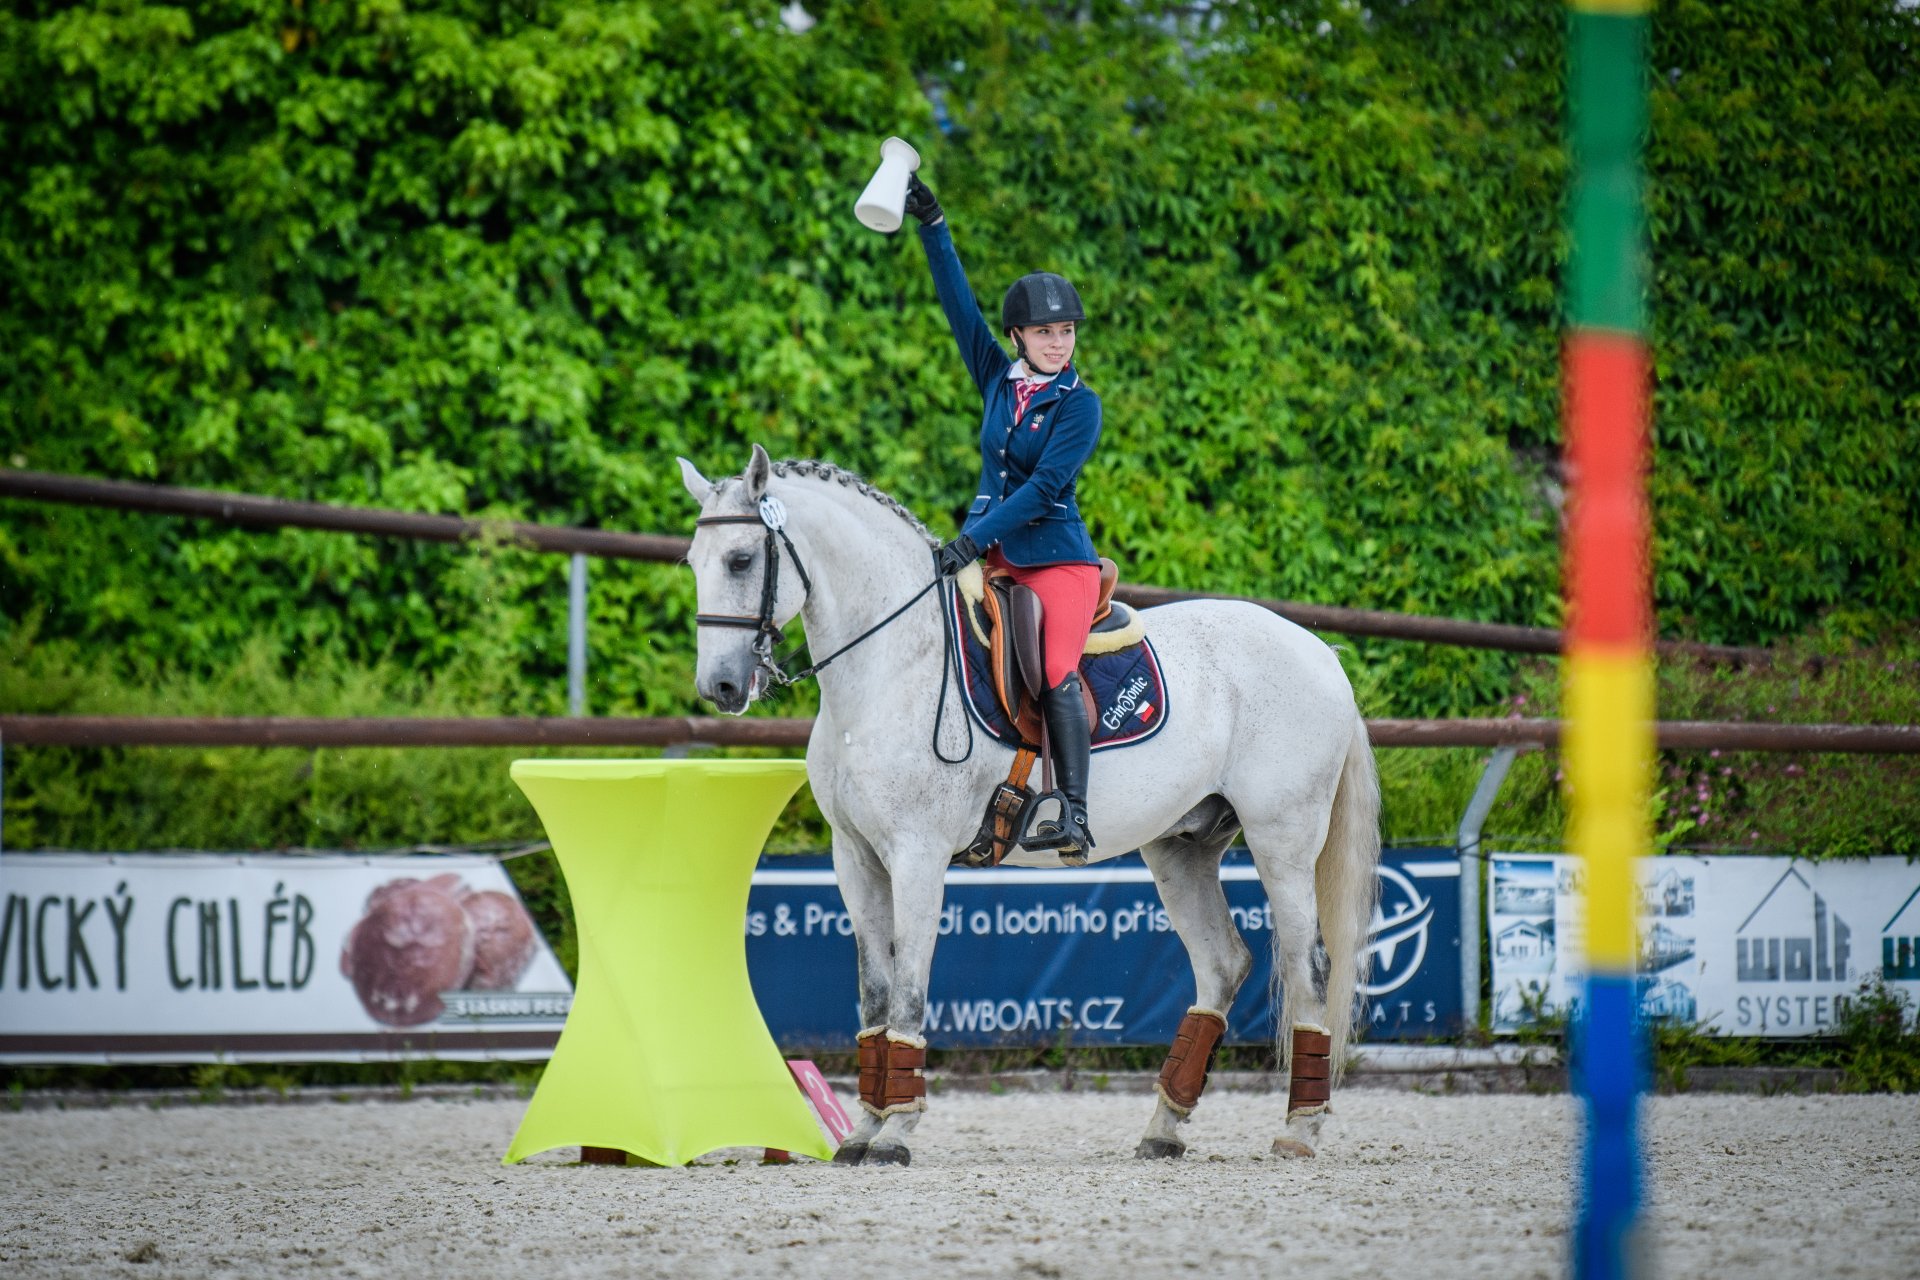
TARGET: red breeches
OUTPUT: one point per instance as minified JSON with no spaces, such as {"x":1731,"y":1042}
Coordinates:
{"x":1068,"y":594}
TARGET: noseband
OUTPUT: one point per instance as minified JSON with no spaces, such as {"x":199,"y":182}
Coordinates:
{"x":772,"y":515}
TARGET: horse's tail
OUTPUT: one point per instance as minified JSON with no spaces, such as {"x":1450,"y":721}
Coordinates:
{"x":1346,"y":887}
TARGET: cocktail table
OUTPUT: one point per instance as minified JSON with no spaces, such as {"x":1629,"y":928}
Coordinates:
{"x":665,"y":1054}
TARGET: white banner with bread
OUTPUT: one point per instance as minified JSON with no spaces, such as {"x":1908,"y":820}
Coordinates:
{"x":261,"y":957}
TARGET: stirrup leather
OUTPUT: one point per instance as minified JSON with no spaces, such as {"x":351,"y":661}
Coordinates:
{"x":1006,"y":817}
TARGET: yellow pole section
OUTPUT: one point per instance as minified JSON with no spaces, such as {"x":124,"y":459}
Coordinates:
{"x":1609,"y":739}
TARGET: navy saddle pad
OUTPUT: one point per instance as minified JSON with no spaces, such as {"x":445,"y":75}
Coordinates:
{"x":1127,"y":684}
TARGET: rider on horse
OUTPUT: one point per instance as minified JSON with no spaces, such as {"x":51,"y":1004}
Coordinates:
{"x":1039,"y":426}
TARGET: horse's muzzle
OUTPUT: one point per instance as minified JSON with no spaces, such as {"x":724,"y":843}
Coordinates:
{"x":732,"y":695}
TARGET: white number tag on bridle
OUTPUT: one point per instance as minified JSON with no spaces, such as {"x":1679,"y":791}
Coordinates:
{"x":773,"y":513}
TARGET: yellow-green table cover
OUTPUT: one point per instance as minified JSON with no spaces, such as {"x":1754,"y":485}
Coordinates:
{"x":665,"y":1054}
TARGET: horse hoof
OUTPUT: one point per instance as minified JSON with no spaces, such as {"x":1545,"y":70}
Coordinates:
{"x":1158,"y":1149}
{"x":1292,"y":1149}
{"x":889,"y":1153}
{"x":851,"y":1153}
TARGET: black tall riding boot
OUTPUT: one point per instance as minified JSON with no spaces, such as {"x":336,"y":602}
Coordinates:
{"x":1072,"y":742}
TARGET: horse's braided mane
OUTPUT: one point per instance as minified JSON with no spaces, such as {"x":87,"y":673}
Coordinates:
{"x":829,"y":472}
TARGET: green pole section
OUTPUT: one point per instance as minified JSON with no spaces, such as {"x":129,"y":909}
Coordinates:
{"x":1607,"y":100}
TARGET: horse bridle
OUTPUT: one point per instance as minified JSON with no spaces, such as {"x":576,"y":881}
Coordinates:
{"x":771,"y":515}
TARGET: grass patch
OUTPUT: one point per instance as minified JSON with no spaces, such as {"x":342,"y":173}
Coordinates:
{"x":248,"y":798}
{"x":1811,"y":805}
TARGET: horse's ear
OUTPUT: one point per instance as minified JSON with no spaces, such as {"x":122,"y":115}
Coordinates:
{"x":697,"y":485}
{"x":759,"y":471}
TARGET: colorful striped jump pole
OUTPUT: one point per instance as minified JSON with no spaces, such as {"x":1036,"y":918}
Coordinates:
{"x":1608,"y":673}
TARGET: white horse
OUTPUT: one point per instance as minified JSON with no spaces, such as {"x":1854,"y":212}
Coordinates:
{"x":1267,"y":740}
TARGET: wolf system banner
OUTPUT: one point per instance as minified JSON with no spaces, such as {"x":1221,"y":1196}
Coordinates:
{"x":1738,"y":946}
{"x":1087,"y":955}
{"x":199,"y":957}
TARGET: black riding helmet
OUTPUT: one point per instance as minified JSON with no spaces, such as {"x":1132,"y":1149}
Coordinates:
{"x":1040,"y":297}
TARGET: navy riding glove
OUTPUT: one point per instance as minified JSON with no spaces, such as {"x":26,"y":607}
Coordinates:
{"x":921,"y":203}
{"x":955,"y":556}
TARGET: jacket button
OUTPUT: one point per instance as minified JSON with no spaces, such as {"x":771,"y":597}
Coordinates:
{"x":1003,"y":475}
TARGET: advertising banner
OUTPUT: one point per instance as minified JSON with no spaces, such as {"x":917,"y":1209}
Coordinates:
{"x":1086,"y":956}
{"x":199,"y":957}
{"x":1738,"y":946}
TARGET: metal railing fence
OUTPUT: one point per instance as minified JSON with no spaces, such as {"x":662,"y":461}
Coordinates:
{"x":264,"y":512}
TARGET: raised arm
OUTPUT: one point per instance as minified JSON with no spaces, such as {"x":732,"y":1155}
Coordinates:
{"x":985,"y":359}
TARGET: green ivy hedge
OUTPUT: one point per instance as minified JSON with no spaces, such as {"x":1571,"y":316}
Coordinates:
{"x":457,"y":256}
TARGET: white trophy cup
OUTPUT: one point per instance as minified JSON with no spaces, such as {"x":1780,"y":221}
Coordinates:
{"x":883,"y":204}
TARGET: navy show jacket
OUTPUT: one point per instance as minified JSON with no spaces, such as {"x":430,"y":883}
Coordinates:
{"x":1025,"y":501}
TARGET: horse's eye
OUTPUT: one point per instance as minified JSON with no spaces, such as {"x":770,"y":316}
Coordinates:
{"x":740,"y":561}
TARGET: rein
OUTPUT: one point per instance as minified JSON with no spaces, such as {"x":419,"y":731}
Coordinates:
{"x":772,"y":515}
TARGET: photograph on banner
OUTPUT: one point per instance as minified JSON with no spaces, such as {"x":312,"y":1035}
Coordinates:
{"x":1088,"y":955}
{"x":1730,"y":945}
{"x":193,"y":957}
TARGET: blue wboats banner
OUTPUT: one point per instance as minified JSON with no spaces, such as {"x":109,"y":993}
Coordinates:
{"x":1086,"y":956}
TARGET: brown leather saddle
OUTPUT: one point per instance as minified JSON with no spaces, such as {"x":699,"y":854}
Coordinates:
{"x":1015,"y":656}
{"x":1016,"y":662}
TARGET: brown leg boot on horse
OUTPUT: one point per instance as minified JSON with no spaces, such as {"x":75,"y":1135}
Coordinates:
{"x":1184,"y":1075}
{"x":872,"y":1045}
{"x":1309,"y":1085}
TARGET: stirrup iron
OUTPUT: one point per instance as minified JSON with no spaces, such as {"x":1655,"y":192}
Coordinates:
{"x":1066,"y":833}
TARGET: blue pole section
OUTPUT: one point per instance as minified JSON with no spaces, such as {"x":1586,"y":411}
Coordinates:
{"x":1609,"y":1071}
